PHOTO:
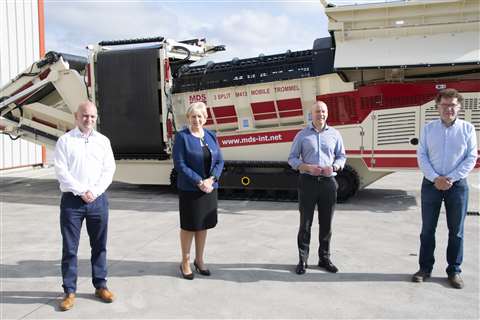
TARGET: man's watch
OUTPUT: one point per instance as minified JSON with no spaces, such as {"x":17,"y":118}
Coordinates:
{"x":214,"y":178}
{"x":335,"y":168}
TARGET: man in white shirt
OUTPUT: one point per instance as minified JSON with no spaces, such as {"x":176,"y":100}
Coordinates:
{"x":84,"y":165}
{"x":446,"y":155}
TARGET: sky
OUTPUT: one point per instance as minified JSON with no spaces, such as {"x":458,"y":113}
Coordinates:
{"x":246,"y":27}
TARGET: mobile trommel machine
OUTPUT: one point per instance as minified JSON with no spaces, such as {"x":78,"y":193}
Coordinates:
{"x":378,"y":73}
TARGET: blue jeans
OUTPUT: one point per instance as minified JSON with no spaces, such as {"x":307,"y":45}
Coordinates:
{"x":456,"y":201}
{"x":73,"y":210}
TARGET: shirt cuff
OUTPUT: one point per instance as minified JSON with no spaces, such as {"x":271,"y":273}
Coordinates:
{"x":295,"y":164}
{"x":79,"y":193}
{"x":433,"y":177}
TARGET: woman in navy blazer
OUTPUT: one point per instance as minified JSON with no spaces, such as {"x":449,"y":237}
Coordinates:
{"x":199,"y":164}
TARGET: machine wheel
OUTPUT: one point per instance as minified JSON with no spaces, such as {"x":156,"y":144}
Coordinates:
{"x":173,"y":180}
{"x":348,"y":183}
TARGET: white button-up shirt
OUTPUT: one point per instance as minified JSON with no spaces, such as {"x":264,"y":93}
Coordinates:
{"x":84,"y":163}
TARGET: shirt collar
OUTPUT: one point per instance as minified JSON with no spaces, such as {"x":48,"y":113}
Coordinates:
{"x":454,"y":122}
{"x":312,"y":127}
{"x":79,"y":134}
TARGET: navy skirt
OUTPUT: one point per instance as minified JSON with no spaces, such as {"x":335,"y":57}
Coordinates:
{"x":198,"y":210}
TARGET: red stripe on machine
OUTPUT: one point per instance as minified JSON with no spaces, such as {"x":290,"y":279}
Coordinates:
{"x":397,"y":162}
{"x":289,"y":135}
{"x":225,"y":114}
{"x":354,"y":106}
{"x":381,"y":152}
{"x":257,"y":138}
{"x":44,"y":122}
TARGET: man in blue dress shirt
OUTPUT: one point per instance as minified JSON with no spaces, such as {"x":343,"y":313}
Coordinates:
{"x":446,"y":155}
{"x":318,"y":153}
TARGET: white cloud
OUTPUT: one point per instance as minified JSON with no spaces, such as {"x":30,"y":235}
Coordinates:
{"x":250,"y":33}
{"x":76,"y":26}
{"x":246,"y":30}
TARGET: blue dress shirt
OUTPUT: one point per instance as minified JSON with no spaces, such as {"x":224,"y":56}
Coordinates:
{"x":188,"y":159}
{"x":323,"y":148}
{"x":447,"y":151}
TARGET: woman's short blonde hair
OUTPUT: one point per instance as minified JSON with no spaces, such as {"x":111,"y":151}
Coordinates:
{"x":197,"y":106}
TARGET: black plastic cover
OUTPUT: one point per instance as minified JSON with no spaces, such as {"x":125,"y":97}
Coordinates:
{"x":322,"y":43}
{"x":75,"y":62}
{"x":129,"y":103}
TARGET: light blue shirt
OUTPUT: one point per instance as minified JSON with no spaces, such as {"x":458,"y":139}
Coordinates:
{"x":447,"y":151}
{"x":324,"y":148}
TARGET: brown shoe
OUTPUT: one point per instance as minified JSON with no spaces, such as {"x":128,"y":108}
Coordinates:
{"x":456,"y":281}
{"x":67,"y":302}
{"x":105,"y":295}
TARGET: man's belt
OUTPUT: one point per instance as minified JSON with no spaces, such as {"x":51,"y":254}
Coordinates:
{"x":316,"y":178}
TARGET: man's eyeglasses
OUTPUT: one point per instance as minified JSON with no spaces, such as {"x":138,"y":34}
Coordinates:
{"x":449,"y":105}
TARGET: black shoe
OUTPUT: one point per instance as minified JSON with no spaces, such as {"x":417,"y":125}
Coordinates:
{"x":186,"y":276}
{"x":301,"y":266}
{"x":327,"y":265}
{"x":456,"y":281}
{"x":204,"y":272}
{"x":420,"y":276}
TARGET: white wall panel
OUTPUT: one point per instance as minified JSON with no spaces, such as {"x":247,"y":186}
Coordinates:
{"x":16,"y":154}
{"x":20,"y":47}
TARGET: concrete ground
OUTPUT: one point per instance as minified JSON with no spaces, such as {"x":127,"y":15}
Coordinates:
{"x":251,"y":253}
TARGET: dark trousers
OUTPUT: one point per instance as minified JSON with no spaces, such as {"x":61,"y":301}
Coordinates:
{"x":322,"y":193}
{"x":456,"y":201}
{"x":73,"y":210}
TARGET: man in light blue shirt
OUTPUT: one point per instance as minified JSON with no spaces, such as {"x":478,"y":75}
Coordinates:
{"x":446,"y":155}
{"x":318,"y":153}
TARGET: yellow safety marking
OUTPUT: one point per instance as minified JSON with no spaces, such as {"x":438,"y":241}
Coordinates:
{"x":245,"y":181}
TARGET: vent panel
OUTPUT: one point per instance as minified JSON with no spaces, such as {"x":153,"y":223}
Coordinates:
{"x":397,"y":128}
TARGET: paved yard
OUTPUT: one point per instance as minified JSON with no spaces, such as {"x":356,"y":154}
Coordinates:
{"x":251,"y":253}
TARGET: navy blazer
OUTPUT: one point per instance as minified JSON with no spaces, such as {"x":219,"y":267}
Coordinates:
{"x":188,"y":159}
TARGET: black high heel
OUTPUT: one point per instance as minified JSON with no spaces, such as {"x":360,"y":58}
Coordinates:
{"x":204,"y":272}
{"x":186,"y":276}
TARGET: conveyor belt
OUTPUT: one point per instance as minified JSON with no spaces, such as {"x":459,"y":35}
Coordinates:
{"x":277,"y":67}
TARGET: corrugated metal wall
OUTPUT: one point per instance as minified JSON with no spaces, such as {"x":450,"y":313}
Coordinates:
{"x":19,"y":48}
